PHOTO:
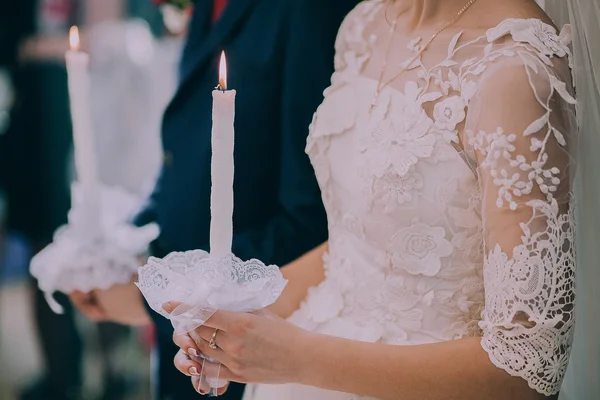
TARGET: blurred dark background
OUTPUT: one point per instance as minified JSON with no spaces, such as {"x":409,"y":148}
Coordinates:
{"x":44,"y":356}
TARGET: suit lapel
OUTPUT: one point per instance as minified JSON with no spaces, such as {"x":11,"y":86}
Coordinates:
{"x":198,"y":31}
{"x":196,"y":54}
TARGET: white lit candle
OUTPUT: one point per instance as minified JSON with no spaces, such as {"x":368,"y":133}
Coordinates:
{"x":83,"y":137}
{"x":221,"y":203}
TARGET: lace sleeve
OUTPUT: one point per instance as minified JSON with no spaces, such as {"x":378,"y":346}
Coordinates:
{"x":520,"y":128}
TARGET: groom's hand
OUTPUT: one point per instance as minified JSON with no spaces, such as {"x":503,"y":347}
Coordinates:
{"x":123,"y":304}
{"x":88,"y":305}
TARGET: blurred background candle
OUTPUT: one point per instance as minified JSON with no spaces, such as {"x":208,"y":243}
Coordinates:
{"x":83,"y":136}
{"x":221,"y":223}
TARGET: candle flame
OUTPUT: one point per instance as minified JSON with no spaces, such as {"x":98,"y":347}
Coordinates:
{"x":223,"y":72}
{"x":74,"y":38}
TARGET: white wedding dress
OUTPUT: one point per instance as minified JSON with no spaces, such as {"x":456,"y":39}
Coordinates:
{"x":449,"y":202}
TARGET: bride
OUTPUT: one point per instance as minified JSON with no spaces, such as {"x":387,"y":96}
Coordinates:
{"x":445,"y":152}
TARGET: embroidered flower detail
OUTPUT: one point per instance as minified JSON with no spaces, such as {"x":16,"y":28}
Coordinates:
{"x":446,"y":191}
{"x":419,"y":249}
{"x":514,"y":174}
{"x":399,"y":135}
{"x":556,"y":367}
{"x":394,"y":310}
{"x":541,"y":36}
{"x":468,"y":90}
{"x":353,"y":49}
{"x":393,"y":190}
{"x":441,"y":150}
{"x":353,"y":224}
{"x":396,"y":295}
{"x":414,"y":45}
{"x":449,"y":113}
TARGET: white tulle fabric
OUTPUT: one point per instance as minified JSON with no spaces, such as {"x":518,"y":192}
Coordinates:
{"x":449,"y":203}
{"x":82,"y":260}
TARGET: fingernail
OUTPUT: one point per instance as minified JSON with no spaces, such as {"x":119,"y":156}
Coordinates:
{"x":167,"y":307}
{"x":192,"y":351}
{"x":194,"y":371}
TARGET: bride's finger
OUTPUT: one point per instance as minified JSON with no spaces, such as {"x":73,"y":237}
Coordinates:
{"x":186,"y":365}
{"x":204,"y":348}
{"x":169,"y":306}
{"x":221,"y":391}
{"x":219,"y":371}
{"x":230,"y":321}
{"x":186,"y":343}
{"x":205,"y":334}
{"x":200,"y":385}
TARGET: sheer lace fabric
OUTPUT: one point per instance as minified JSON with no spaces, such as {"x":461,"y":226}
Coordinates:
{"x":449,"y":202}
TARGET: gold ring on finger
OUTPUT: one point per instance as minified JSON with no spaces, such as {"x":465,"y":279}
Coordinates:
{"x":213,"y":340}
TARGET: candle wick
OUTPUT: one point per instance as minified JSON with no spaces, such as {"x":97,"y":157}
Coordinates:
{"x":221,"y":88}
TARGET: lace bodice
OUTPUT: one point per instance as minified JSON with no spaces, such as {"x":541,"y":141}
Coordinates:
{"x":449,"y":201}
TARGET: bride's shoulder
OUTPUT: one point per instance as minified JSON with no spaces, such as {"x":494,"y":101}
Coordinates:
{"x":518,"y":25}
{"x":365,"y":6}
{"x":525,"y":25}
{"x":521,"y":33}
{"x":539,"y":34}
{"x":532,"y":43}
{"x":524,"y":61}
{"x":353,"y":28}
{"x":364,"y":11}
{"x":522,"y":50}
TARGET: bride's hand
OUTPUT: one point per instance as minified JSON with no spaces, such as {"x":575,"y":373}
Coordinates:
{"x":252,"y":348}
{"x":191,"y":365}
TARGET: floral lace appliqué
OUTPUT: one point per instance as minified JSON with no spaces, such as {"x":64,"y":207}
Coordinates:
{"x":419,"y":249}
{"x":394,"y":190}
{"x":399,"y":134}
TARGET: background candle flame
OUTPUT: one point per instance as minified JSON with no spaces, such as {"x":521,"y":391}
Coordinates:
{"x":74,"y":38}
{"x":223,"y":72}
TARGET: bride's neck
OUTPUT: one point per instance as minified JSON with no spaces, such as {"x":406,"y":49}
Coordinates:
{"x":417,"y":14}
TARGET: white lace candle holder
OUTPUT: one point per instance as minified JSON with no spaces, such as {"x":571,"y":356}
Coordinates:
{"x":81,"y":258}
{"x":201,"y":285}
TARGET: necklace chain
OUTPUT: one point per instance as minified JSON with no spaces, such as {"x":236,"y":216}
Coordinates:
{"x":380,"y":84}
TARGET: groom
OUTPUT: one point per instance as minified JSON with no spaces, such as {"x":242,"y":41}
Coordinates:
{"x":280,"y":58}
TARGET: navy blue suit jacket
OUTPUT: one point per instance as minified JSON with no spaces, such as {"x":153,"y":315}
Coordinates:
{"x":280,"y":59}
